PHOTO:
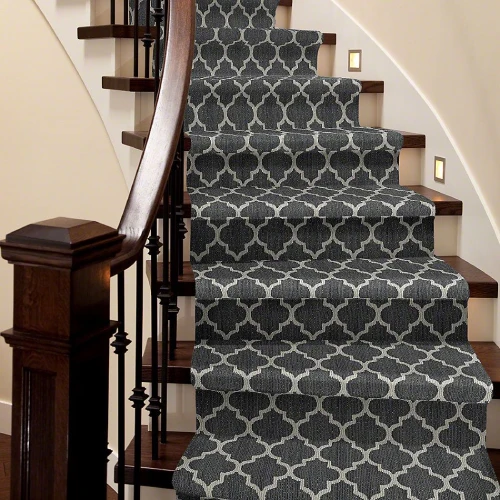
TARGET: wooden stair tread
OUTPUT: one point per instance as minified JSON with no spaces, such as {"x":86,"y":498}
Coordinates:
{"x":158,"y":473}
{"x":140,"y":84}
{"x":481,"y":285}
{"x":179,"y":369}
{"x":137,"y":139}
{"x":111,"y":31}
{"x":445,"y":205}
{"x":127,"y":31}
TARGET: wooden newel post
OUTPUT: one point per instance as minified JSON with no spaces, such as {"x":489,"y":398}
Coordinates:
{"x":60,"y":370}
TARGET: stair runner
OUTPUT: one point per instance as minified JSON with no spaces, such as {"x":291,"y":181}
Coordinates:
{"x":331,"y":357}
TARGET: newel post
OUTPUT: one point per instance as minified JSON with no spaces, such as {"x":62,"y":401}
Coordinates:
{"x":60,"y":341}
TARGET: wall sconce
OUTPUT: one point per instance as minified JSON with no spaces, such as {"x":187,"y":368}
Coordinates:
{"x":439,"y":169}
{"x":354,"y":63}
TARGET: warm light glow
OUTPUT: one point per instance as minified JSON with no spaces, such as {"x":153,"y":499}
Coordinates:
{"x":355,"y":60}
{"x":439,"y":169}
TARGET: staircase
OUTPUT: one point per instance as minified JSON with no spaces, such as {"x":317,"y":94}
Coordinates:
{"x":228,"y":365}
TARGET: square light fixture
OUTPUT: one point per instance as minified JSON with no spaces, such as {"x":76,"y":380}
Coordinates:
{"x":439,"y":169}
{"x":354,"y":63}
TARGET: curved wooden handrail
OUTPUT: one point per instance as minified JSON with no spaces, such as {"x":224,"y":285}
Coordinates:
{"x":156,"y":161}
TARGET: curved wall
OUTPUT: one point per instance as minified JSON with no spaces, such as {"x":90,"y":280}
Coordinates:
{"x":449,"y":48}
{"x":55,"y":155}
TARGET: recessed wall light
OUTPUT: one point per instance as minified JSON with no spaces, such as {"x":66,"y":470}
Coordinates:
{"x":439,"y":169}
{"x":354,"y":63}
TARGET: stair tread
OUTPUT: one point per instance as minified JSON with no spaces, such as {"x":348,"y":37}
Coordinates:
{"x":481,"y":285}
{"x":418,"y":278}
{"x":179,"y":370}
{"x":141,"y":84}
{"x":410,"y":371}
{"x":445,"y":205}
{"x":137,"y":139}
{"x":254,"y":461}
{"x":127,"y":31}
{"x":221,"y":203}
{"x":158,"y":473}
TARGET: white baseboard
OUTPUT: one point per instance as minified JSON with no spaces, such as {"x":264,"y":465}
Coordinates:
{"x":5,"y":418}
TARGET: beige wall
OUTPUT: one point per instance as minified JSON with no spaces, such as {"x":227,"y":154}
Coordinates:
{"x":55,"y":155}
{"x":449,"y":48}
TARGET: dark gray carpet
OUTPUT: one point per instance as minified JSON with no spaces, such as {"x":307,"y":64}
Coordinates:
{"x":332,"y":359}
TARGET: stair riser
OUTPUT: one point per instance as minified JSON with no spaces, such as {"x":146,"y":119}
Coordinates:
{"x":480,"y":320}
{"x":445,"y":242}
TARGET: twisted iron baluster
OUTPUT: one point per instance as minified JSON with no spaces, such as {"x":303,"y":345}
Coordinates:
{"x":136,"y":38}
{"x":181,"y":225}
{"x":147,"y":40}
{"x":139,"y":395}
{"x":158,"y":16}
{"x":154,"y":406}
{"x":120,"y":344}
{"x":164,"y":296}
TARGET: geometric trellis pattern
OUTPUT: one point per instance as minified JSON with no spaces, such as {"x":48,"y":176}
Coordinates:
{"x":331,"y":358}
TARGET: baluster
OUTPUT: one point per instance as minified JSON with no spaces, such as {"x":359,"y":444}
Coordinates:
{"x":173,"y":310}
{"x":126,"y":12}
{"x":139,"y":395}
{"x":164,"y":296}
{"x":147,"y":40}
{"x":120,"y":344}
{"x":158,"y":15}
{"x":154,"y":406}
{"x":112,"y":9}
{"x":181,"y":225}
{"x":136,"y":38}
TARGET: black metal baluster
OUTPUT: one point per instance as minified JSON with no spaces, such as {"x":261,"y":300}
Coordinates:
{"x":147,"y":40}
{"x":164,"y":296}
{"x":154,"y":407}
{"x":112,"y":12}
{"x":120,"y":344}
{"x":139,"y":395}
{"x":173,"y":310}
{"x":181,"y":225}
{"x":158,"y":15}
{"x":136,"y":38}
{"x":126,"y":12}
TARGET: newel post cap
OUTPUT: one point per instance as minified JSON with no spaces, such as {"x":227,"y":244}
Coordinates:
{"x":61,"y":243}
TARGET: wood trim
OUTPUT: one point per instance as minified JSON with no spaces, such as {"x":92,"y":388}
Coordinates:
{"x":157,"y":158}
{"x":137,"y":84}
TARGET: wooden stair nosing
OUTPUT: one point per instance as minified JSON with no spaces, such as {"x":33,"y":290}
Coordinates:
{"x":139,"y":84}
{"x":137,"y":139}
{"x":112,"y":31}
{"x":158,"y":473}
{"x":445,"y":205}
{"x":100,"y":31}
{"x":179,"y":369}
{"x":481,"y":286}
